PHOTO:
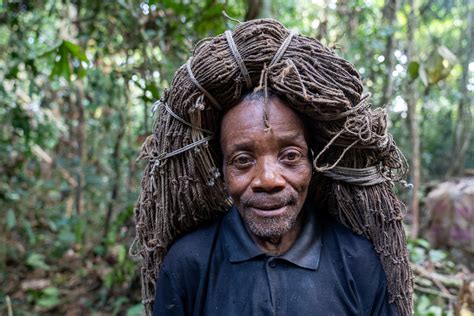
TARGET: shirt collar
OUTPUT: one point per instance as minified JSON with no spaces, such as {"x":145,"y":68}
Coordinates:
{"x":305,"y":252}
{"x":238,"y":244}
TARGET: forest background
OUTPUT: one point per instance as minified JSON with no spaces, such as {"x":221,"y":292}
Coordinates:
{"x":78,"y":79}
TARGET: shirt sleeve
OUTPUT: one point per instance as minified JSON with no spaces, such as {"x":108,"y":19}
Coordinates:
{"x":168,"y":299}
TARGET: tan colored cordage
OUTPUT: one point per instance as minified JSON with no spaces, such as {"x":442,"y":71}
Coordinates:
{"x":182,"y":187}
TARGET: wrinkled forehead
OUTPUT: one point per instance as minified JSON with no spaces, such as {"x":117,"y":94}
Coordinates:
{"x":250,"y":115}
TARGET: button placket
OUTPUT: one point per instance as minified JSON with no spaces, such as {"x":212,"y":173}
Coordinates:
{"x":272,"y":281}
{"x":275,"y":284}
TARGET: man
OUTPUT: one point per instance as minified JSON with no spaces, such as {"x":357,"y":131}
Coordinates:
{"x":307,"y":168}
{"x":270,"y":255}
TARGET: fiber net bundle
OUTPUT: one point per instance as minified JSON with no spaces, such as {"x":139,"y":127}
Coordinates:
{"x":356,"y":159}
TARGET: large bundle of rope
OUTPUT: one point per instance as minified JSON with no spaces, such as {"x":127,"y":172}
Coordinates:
{"x":356,"y":160}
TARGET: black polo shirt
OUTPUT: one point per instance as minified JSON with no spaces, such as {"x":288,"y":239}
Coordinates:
{"x":219,"y":270}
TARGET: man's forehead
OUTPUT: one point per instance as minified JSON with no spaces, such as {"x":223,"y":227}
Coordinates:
{"x":254,"y":106}
{"x":245,"y":121}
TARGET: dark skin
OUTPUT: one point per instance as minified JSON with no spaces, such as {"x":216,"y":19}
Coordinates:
{"x":267,"y":171}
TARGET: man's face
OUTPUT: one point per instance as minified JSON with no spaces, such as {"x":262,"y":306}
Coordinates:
{"x":267,"y":172}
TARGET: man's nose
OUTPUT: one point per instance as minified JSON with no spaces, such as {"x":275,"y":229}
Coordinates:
{"x":268,"y":177}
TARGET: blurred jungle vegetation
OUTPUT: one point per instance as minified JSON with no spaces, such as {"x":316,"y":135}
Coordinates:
{"x":78,"y":79}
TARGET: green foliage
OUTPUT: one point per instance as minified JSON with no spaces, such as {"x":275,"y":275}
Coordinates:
{"x":48,"y":298}
{"x":425,"y":307}
{"x":135,"y":310}
{"x":422,"y":254}
{"x":436,"y":68}
{"x":45,"y":299}
{"x":413,"y":70}
{"x":421,"y":251}
{"x":36,"y":261}
{"x":69,"y":58}
{"x":10,"y":219}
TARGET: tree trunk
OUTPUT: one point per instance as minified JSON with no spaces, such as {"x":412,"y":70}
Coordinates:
{"x":462,"y":136}
{"x":348,"y":12}
{"x":389,"y":18}
{"x":74,"y":13}
{"x":258,"y":9}
{"x":144,"y":72}
{"x":81,"y":135}
{"x":323,"y":25}
{"x":116,"y":160}
{"x":413,"y":126}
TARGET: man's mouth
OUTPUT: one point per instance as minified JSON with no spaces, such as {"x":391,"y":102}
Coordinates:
{"x":268,"y":210}
{"x":268,"y":207}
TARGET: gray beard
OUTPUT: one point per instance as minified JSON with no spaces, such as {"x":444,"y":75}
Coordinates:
{"x":272,"y":226}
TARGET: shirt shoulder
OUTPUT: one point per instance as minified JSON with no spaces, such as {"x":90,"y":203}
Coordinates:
{"x":351,"y":245}
{"x":355,"y":255}
{"x":182,"y":271}
{"x":192,"y":250}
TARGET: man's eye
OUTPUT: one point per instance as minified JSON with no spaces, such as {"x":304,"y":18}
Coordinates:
{"x":242,"y":160}
{"x":291,"y":156}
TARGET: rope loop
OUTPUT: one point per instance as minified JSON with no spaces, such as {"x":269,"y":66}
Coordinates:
{"x":363,"y":105}
{"x":180,"y":119}
{"x":238,"y":59}
{"x":134,"y":251}
{"x":163,"y":156}
{"x":198,"y":85}
{"x":356,"y":176}
{"x":359,"y":126}
{"x":327,"y":167}
{"x":282,"y":49}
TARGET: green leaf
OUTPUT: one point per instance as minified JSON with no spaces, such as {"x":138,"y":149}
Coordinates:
{"x":30,"y":64}
{"x":109,"y":279}
{"x":435,"y":311}
{"x":81,"y":72}
{"x":62,"y":66}
{"x":49,"y":298}
{"x":121,"y":254}
{"x":29,"y":232}
{"x":135,"y":310}
{"x":76,"y":51}
{"x":11,"y":219}
{"x":51,"y":51}
{"x":423,"y":243}
{"x":422,"y":305}
{"x":36,"y":261}
{"x":437,"y":255}
{"x":417,"y":254}
{"x":413,"y":68}
{"x":154,"y":90}
{"x":439,"y":64}
{"x":13,"y":72}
